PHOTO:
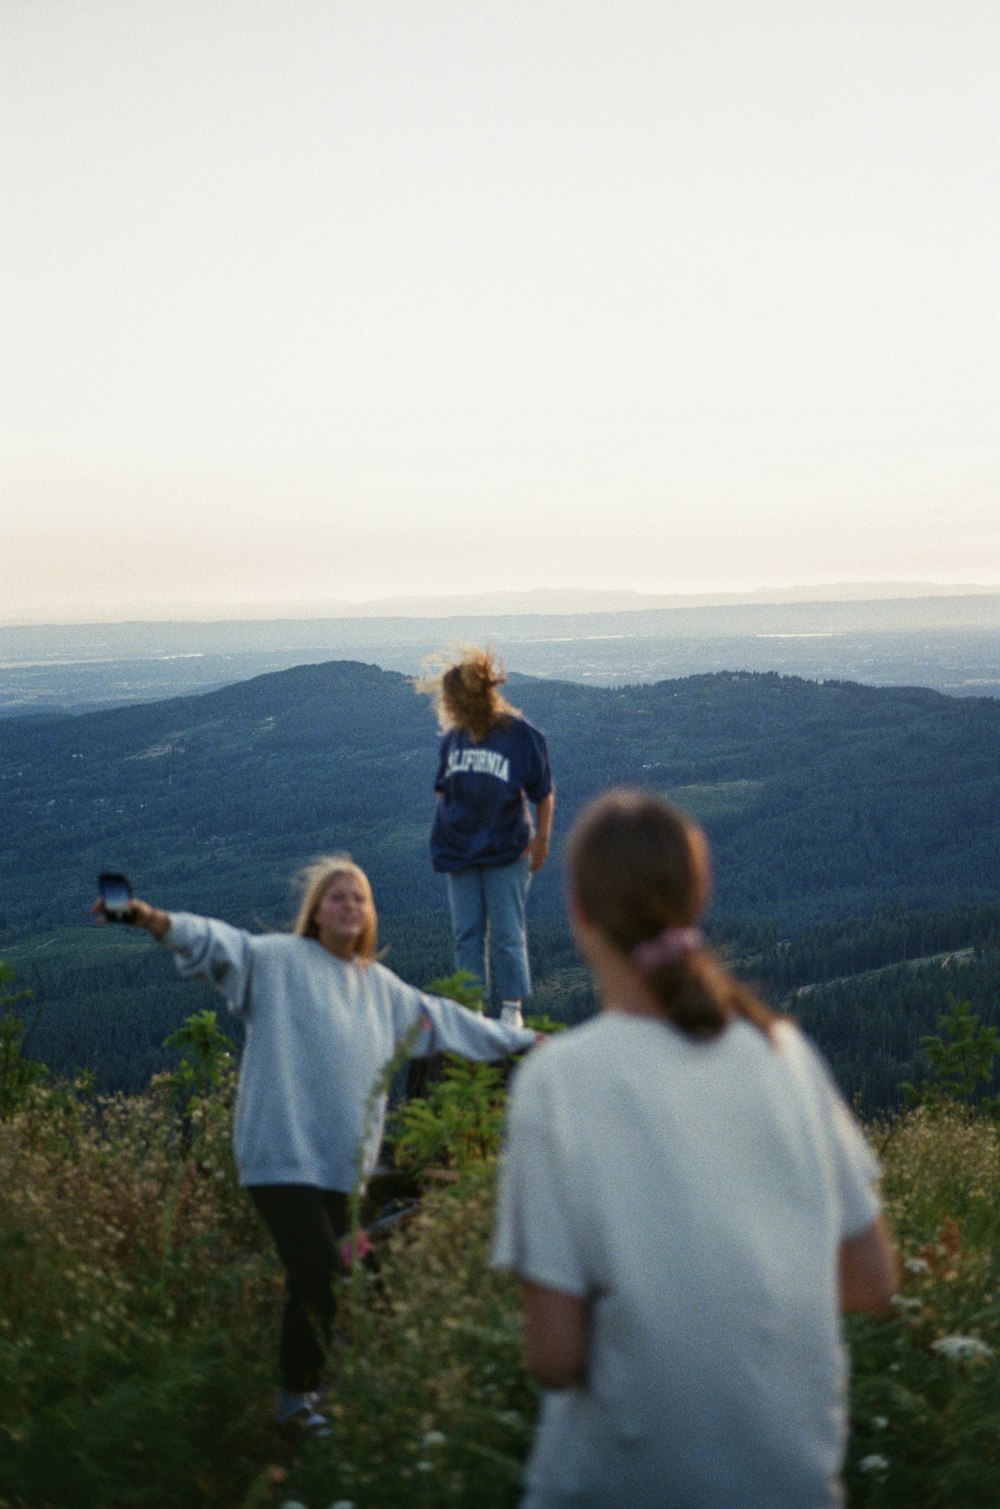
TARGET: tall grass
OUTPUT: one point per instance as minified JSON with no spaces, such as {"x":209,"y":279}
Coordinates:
{"x":139,"y":1306}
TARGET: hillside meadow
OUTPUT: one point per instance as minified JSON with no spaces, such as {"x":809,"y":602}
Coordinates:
{"x":139,"y":1302}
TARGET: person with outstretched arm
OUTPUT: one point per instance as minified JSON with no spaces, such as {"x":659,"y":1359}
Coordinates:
{"x":323,"y":1018}
{"x":688,"y":1205}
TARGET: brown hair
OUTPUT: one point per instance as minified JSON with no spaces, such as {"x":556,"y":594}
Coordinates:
{"x":316,"y":880}
{"x":465,"y":694}
{"x":638,"y":866}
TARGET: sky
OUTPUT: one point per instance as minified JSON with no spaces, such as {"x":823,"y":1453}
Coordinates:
{"x":306,"y":300}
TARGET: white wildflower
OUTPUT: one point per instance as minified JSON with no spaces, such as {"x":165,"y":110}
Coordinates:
{"x":875,"y":1463}
{"x":343,"y":1504}
{"x":958,"y":1348}
{"x":424,"y":1466}
{"x":434,"y":1438}
{"x":880,"y":1422}
{"x":906,"y":1303}
{"x":917,"y":1265}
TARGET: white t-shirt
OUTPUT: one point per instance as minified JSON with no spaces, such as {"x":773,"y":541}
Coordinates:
{"x":696,"y":1193}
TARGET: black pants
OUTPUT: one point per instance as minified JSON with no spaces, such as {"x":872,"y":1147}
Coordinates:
{"x":308,"y":1226}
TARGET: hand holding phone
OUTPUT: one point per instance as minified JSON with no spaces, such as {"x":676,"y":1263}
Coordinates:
{"x":115,"y":892}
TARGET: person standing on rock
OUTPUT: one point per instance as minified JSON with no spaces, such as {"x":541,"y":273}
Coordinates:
{"x":493,"y":766}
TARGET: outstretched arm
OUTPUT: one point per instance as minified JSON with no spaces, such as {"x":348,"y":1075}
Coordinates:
{"x":139,"y":914}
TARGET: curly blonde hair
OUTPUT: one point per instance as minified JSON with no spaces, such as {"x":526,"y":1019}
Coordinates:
{"x":465,"y":694}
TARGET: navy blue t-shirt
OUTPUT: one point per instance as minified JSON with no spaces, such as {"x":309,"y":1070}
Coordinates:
{"x":482,"y":815}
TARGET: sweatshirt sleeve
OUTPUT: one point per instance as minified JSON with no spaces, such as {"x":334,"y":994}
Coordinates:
{"x":213,"y":951}
{"x":446,"y":1027}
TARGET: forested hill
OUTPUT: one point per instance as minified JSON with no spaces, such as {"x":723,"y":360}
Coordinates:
{"x":822,"y":800}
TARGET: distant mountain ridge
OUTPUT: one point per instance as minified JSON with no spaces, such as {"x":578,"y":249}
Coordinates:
{"x":545,"y":600}
{"x":950,"y":643}
{"x":823,"y":801}
{"x":852,"y":826}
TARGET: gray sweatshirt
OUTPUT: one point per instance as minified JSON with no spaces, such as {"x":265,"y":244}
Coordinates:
{"x":319,"y":1033}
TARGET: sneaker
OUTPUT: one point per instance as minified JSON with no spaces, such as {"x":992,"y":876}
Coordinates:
{"x":297,"y":1412}
{"x":511,"y":1016}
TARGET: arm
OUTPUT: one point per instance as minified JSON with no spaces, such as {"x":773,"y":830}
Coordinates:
{"x":867,"y":1270}
{"x":447,"y":1027}
{"x":139,"y":914}
{"x":538,"y":849}
{"x":555,"y":1336}
{"x":201,"y":946}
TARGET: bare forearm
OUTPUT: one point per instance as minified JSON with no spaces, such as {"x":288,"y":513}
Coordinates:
{"x":556,"y":1336}
{"x":152,"y":918}
{"x":867,"y":1270}
{"x":538,"y":849}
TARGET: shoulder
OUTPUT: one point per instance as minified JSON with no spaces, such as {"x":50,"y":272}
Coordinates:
{"x":518,"y":733}
{"x":285,"y":950}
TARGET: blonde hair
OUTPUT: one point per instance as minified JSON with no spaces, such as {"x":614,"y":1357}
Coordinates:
{"x":316,"y":880}
{"x":637,"y":867}
{"x":465,"y":693}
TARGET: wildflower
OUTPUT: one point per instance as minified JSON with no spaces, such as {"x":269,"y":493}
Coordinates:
{"x":358,"y":1246}
{"x":424,"y":1466}
{"x":874,"y":1463}
{"x":880,"y":1422}
{"x":343,"y":1504}
{"x":906,"y":1303}
{"x":434,"y":1438}
{"x":958,"y":1348}
{"x":917,"y":1265}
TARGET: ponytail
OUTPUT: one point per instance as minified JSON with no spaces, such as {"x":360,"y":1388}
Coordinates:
{"x":641,"y":872}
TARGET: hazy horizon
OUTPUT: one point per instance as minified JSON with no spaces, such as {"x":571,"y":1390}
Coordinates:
{"x":523,"y":602}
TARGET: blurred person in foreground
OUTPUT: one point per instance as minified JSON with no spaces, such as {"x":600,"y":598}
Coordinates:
{"x":323,"y":1019}
{"x":492,"y":764}
{"x":688,"y":1204}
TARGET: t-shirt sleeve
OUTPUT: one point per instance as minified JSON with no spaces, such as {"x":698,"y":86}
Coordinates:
{"x":855,"y":1167}
{"x":536,"y":1231}
{"x":442,"y":764}
{"x":538,"y":780}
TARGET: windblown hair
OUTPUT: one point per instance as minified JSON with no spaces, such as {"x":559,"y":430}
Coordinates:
{"x":315,"y":880}
{"x":637,"y":866}
{"x":466,"y":696}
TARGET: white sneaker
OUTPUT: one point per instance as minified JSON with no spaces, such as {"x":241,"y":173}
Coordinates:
{"x":511,"y":1016}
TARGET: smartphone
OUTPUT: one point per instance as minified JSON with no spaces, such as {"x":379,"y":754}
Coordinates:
{"x":116,"y":893}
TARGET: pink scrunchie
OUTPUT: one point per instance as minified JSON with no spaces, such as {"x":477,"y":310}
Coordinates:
{"x":668,"y":947}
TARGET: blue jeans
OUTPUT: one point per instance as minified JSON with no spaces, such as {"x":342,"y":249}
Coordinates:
{"x":487,"y":920}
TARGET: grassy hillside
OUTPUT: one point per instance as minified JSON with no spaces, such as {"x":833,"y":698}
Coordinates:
{"x":831,"y":809}
{"x":823,"y":801}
